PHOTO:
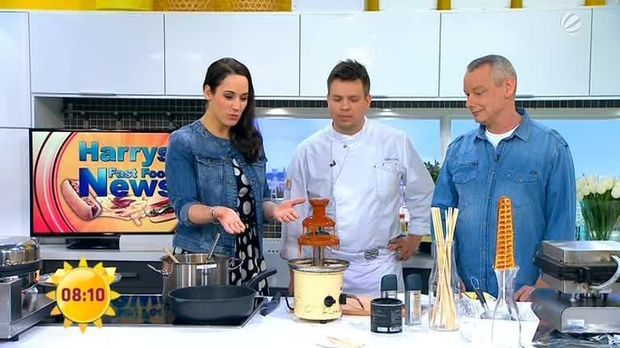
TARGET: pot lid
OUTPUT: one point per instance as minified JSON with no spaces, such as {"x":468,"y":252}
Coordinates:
{"x":15,"y":251}
{"x":329,"y":265}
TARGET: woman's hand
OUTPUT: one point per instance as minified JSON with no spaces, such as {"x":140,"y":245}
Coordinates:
{"x":285,"y":211}
{"x":229,"y":219}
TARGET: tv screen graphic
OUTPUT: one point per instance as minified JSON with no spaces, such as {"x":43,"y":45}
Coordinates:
{"x":96,"y":182}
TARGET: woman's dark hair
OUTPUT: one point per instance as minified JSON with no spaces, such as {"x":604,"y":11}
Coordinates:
{"x":244,"y":135}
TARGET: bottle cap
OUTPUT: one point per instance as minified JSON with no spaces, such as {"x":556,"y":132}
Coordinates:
{"x":413,"y":282}
{"x":389,"y":283}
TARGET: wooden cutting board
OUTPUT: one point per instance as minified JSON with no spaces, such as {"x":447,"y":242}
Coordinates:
{"x":352,"y":307}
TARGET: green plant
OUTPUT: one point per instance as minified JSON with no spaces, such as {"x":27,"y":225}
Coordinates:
{"x":433,"y":169}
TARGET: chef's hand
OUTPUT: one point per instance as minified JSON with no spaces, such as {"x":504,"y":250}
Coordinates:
{"x":523,"y":294}
{"x":229,"y":219}
{"x":405,"y":246}
{"x":285,"y":211}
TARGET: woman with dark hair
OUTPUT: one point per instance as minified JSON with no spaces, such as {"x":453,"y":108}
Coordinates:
{"x":215,"y":171}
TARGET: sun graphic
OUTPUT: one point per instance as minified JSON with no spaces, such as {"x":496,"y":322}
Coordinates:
{"x":83,"y":294}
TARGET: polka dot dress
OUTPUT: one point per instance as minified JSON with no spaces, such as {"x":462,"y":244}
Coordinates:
{"x":247,"y":246}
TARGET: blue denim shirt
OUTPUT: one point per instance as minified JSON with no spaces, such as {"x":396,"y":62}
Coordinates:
{"x":199,"y":170}
{"x":534,"y":167}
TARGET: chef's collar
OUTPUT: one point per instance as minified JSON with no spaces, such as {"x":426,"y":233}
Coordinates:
{"x":349,"y":139}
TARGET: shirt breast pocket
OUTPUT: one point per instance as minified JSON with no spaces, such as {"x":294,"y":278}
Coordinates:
{"x":524,"y":186}
{"x":210,"y":170}
{"x":388,"y":179}
{"x":464,"y":179}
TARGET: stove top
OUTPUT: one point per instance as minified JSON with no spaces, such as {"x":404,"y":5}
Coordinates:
{"x":134,"y":310}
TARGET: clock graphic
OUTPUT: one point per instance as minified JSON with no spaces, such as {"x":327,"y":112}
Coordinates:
{"x":83,"y":294}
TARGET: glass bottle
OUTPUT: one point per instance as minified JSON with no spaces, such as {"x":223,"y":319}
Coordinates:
{"x":444,"y":289}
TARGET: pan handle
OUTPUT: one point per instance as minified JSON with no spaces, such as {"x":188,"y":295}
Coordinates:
{"x":160,"y":271}
{"x":253,"y":283}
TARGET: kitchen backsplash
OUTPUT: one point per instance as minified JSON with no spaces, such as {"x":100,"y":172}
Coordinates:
{"x":170,"y":114}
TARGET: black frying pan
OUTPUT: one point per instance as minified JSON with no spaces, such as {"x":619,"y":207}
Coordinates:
{"x":213,"y":304}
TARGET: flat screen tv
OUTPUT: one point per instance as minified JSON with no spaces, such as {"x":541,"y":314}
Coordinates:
{"x":97,"y":183}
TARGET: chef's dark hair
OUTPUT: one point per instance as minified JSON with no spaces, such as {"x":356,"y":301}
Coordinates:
{"x":349,"y":70}
{"x":244,"y":135}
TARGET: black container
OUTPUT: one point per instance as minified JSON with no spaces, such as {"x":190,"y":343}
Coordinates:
{"x":386,"y":315}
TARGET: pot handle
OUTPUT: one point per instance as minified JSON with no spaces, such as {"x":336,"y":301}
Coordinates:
{"x":160,"y":271}
{"x":231,"y":263}
{"x":253,"y":283}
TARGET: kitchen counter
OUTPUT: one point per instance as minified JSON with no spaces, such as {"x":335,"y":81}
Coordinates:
{"x":279,"y":329}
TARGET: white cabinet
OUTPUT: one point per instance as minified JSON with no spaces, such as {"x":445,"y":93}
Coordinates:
{"x":268,"y":44}
{"x":15,"y":202}
{"x":97,"y":53}
{"x":14,"y":70}
{"x":550,"y":49}
{"x":605,"y":67}
{"x":400,"y":51}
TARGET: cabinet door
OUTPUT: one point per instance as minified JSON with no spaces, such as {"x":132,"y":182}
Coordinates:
{"x":97,"y":53}
{"x":268,"y":44}
{"x":400,"y":51}
{"x":605,"y":68}
{"x":550,"y":49}
{"x":15,"y":202}
{"x":14,"y":70}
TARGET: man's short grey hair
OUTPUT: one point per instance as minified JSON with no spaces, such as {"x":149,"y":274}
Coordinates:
{"x":501,"y":67}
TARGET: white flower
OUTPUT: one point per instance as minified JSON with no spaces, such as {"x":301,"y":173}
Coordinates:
{"x":601,"y":188}
{"x":592,"y":181}
{"x":608,"y":183}
{"x":615,"y":192}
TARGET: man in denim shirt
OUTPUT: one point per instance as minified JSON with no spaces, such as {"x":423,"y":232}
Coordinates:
{"x":511,"y":155}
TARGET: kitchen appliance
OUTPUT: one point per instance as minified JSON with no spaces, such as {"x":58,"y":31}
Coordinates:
{"x":585,"y":293}
{"x":22,"y":306}
{"x":318,"y":280}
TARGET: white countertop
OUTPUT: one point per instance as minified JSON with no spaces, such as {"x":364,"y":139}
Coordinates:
{"x":279,"y":329}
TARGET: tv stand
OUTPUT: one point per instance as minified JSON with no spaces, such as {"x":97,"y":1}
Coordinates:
{"x":107,"y":243}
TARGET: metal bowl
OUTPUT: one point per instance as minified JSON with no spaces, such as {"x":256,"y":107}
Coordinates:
{"x":329,"y":266}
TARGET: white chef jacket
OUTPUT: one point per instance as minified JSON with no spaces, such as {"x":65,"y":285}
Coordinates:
{"x":361,"y":175}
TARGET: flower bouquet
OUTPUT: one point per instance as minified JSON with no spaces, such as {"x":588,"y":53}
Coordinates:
{"x":600,"y":205}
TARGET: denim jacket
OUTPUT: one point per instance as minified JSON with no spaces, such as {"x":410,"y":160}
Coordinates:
{"x":199,"y":170}
{"x":534,"y":168}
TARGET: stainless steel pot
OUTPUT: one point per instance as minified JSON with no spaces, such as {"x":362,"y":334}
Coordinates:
{"x":195,"y":270}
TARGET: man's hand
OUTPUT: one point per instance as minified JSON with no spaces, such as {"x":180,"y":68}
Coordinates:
{"x":405,"y":246}
{"x":523,"y":294}
{"x":285,"y":211}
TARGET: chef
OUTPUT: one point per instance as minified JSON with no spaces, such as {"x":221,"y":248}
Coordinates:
{"x":367,"y":170}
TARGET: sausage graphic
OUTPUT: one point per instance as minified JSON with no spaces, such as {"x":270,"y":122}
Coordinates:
{"x":86,"y":208}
